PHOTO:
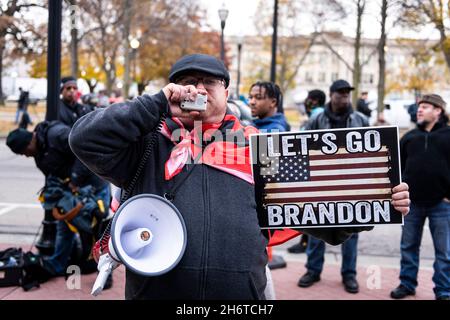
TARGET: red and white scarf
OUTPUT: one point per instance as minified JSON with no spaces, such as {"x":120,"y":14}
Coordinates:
{"x":228,"y":156}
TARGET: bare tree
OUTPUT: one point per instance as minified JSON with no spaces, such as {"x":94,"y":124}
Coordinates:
{"x":382,"y":59}
{"x":293,"y":48}
{"x":417,"y":13}
{"x":357,"y":65}
{"x":104,"y":38}
{"x":74,"y":38}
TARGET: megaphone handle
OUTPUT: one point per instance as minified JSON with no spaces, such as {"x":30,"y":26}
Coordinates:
{"x":105,"y":266}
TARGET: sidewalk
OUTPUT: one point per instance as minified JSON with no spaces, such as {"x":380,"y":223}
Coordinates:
{"x":377,"y":276}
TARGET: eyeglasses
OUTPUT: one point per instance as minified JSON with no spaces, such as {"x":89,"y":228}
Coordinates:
{"x":208,"y":82}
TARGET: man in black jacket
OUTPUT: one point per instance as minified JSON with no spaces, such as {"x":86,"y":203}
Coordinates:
{"x":49,"y":147}
{"x":338,"y":113}
{"x":225,"y":256}
{"x":69,"y":110}
{"x":425,"y":159}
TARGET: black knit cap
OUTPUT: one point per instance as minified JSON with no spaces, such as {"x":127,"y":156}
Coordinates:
{"x":18,"y":140}
{"x":67,"y":80}
{"x":202,"y":63}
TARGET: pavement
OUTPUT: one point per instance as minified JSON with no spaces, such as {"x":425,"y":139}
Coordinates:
{"x":377,"y":276}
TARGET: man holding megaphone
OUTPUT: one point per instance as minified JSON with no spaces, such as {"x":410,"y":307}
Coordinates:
{"x":195,"y":180}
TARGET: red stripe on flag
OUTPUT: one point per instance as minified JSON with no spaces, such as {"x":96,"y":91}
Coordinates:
{"x":350,"y":176}
{"x":349,"y":155}
{"x":330,"y":198}
{"x":330,"y":188}
{"x":348,"y":166}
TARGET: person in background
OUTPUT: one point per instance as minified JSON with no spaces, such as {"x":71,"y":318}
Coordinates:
{"x":363,"y":105}
{"x":22,"y":104}
{"x":264,"y":100}
{"x":103,"y":100}
{"x":25,"y":120}
{"x":338,"y":113}
{"x":315,"y":102}
{"x":69,"y":110}
{"x":412,"y":111}
{"x":425,"y":163}
{"x":49,"y":146}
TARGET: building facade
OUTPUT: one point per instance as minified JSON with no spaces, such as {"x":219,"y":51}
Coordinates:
{"x":331,"y":58}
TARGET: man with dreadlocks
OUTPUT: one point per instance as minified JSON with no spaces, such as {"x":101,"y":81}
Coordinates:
{"x":266,"y":103}
{"x":225,"y":255}
{"x":265,"y":100}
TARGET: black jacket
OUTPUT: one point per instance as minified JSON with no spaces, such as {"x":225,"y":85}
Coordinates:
{"x":69,"y":114}
{"x":363,"y":107}
{"x":54,"y":156}
{"x":328,"y":120}
{"x":425,"y":160}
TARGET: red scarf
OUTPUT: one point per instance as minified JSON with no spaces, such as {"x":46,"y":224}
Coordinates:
{"x":198,"y":146}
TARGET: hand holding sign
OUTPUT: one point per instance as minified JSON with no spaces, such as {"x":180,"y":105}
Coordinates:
{"x":341,"y":177}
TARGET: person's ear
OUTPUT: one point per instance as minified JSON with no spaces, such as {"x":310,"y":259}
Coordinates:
{"x":273,"y":103}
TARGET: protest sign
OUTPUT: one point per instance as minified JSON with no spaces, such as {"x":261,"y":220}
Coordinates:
{"x":326,"y":178}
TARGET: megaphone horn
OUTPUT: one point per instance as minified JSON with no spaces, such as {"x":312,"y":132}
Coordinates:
{"x":148,"y":235}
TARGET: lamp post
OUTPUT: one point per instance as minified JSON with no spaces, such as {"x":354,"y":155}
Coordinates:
{"x":223,"y":14}
{"x":239,"y":47}
{"x":53,"y":58}
{"x":273,"y":65}
{"x":46,"y":242}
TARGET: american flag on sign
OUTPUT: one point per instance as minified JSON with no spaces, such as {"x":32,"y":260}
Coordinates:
{"x":317,"y":177}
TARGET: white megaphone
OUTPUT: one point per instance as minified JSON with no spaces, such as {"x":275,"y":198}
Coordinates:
{"x":148,"y":236}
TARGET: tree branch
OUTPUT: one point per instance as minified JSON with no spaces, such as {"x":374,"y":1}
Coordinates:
{"x":337,"y":54}
{"x":303,"y":58}
{"x":371,"y":54}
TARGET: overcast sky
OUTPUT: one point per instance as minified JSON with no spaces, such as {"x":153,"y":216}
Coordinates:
{"x":241,"y":13}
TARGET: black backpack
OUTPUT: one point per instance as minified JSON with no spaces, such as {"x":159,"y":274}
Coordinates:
{"x":24,"y":269}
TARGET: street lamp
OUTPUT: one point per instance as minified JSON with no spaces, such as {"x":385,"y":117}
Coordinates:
{"x":223,"y":14}
{"x":273,"y":66}
{"x":239,"y":47}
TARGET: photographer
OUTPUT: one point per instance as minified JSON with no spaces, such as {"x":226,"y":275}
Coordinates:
{"x":48,"y":145}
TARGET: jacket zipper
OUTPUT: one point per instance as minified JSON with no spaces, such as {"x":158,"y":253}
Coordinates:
{"x":206,"y":233}
{"x":426,"y":141}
